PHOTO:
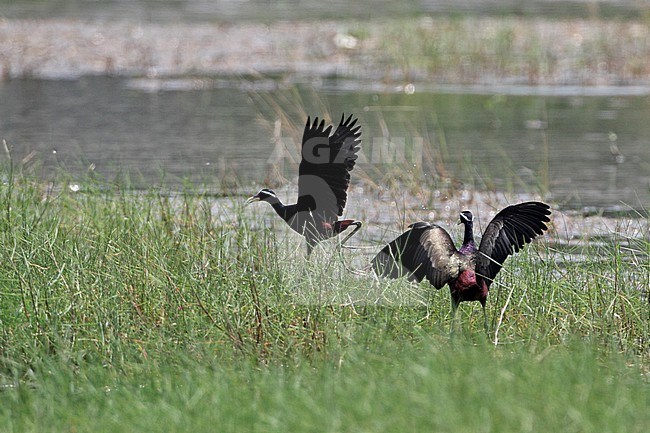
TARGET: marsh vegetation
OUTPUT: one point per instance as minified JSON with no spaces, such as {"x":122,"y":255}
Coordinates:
{"x":138,"y":293}
{"x":178,"y":311}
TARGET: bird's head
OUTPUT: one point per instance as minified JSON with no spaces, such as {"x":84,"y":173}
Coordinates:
{"x":466,"y":217}
{"x":265,"y":194}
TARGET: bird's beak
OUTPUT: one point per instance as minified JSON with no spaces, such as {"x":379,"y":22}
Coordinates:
{"x":252,"y":199}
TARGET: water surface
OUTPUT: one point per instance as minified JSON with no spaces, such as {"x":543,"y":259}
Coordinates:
{"x":580,"y":150}
{"x":274,"y":10}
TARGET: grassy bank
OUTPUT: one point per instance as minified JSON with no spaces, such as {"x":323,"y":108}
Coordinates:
{"x":172,"y":312}
{"x":429,"y":49}
{"x":515,"y":50}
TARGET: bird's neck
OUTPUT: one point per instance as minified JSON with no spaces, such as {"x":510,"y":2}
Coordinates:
{"x":280,"y":208}
{"x":468,"y":238}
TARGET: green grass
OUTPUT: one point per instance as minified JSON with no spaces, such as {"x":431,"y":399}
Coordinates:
{"x":423,"y":387}
{"x":149,"y":312}
{"x":520,"y":50}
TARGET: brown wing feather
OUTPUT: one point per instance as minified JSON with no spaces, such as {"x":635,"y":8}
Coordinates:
{"x":395,"y":259}
{"x":507,"y":233}
{"x":424,"y":251}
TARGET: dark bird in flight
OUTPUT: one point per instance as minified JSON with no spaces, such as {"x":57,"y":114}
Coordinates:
{"x":323,"y":181}
{"x":427,"y":251}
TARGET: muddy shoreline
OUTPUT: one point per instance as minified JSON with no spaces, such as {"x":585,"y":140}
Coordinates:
{"x":469,"y":50}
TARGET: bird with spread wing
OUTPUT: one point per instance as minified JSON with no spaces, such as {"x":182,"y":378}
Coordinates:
{"x":323,"y":181}
{"x":427,"y":251}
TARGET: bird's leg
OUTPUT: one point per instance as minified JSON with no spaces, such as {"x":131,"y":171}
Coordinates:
{"x":485,"y":319}
{"x":357,"y":225}
{"x":454,"y":310}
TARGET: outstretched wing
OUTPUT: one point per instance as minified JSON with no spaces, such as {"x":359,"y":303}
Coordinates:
{"x":324,"y":172}
{"x":508,"y":231}
{"x":424,"y":250}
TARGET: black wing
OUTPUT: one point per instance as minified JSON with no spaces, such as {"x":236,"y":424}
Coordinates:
{"x":423,"y":251}
{"x":508,"y":231}
{"x":324,"y":172}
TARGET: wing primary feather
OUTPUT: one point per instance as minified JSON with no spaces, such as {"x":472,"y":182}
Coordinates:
{"x":507,"y":233}
{"x":325,"y":176}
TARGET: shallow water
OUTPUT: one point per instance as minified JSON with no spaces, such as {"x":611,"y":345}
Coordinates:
{"x":265,"y":10}
{"x":579,"y":149}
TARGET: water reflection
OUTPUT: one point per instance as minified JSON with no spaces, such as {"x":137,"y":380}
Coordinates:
{"x":577,"y":149}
